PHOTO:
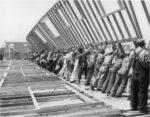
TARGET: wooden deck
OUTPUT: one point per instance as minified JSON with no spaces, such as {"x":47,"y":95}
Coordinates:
{"x":27,"y":90}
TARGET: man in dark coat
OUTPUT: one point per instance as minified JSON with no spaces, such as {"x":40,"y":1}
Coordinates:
{"x":140,"y":79}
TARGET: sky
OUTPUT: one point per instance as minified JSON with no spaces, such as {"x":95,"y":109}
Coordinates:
{"x":18,"y":17}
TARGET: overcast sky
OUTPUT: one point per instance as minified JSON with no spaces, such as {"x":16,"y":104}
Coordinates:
{"x":18,"y":17}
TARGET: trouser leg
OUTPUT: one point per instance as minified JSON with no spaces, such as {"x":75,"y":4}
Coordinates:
{"x":128,"y":88}
{"x":143,"y":91}
{"x":134,"y":91}
{"x":124,"y":80}
{"x":106,"y":82}
{"x":85,"y":71}
{"x":80,"y":73}
{"x":95,"y":83}
{"x":111,"y":81}
{"x":89,"y":75}
{"x":101,"y":80}
{"x":116,"y":85}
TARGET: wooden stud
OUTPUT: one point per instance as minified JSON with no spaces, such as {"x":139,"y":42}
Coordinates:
{"x":119,"y":28}
{"x":51,"y":34}
{"x":60,"y":24}
{"x":57,"y":24}
{"x":146,"y":10}
{"x":110,"y":23}
{"x":97,"y":21}
{"x":124,"y":23}
{"x":74,"y":17}
{"x":56,"y":13}
{"x":88,"y":22}
{"x":92,"y":22}
{"x":103,"y":21}
{"x":135,"y":19}
{"x":130,"y":17}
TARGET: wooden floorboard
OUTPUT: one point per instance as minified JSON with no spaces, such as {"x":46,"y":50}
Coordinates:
{"x":50,"y":93}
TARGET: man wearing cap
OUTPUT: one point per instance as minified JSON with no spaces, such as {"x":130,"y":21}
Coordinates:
{"x":82,"y":60}
{"x":140,"y":79}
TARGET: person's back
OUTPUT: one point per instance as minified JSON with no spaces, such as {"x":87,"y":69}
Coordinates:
{"x":140,"y":79}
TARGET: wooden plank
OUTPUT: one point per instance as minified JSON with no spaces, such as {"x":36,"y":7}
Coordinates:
{"x":89,"y":19}
{"x":90,"y":112}
{"x":130,"y":17}
{"x":100,"y":27}
{"x":28,"y":101}
{"x":74,"y":17}
{"x":51,"y":109}
{"x":84,"y":17}
{"x":82,"y":96}
{"x":1,"y":82}
{"x":119,"y":28}
{"x":113,"y":30}
{"x":135,"y":19}
{"x":124,"y":23}
{"x":19,"y":96}
{"x":16,"y":104}
{"x":146,"y":10}
{"x":114,"y":12}
{"x":16,"y":108}
{"x":33,"y":99}
{"x":103,"y":21}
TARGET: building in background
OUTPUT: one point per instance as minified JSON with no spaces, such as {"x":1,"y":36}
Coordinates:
{"x":16,"y":50}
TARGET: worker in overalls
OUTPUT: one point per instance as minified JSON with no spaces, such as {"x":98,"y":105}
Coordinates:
{"x":140,"y":79}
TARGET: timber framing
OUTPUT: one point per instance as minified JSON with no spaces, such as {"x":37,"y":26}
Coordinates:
{"x":91,"y":27}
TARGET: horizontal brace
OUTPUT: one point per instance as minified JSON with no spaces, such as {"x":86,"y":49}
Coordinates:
{"x":116,"y":11}
{"x":117,"y":41}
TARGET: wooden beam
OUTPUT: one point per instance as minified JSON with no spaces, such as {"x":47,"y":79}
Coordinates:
{"x":130,"y":17}
{"x":124,"y":23}
{"x":82,"y":31}
{"x":33,"y":99}
{"x":135,"y":19}
{"x":83,"y":14}
{"x":1,"y":82}
{"x":59,"y":27}
{"x":119,"y":41}
{"x":119,"y":28}
{"x":114,"y":12}
{"x":61,"y":22}
{"x":100,"y":27}
{"x":89,"y":19}
{"x":82,"y":96}
{"x":52,"y":109}
{"x":146,"y":10}
{"x":102,"y":8}
{"x":68,"y":17}
{"x":103,"y":21}
{"x":74,"y":17}
{"x":113,"y":30}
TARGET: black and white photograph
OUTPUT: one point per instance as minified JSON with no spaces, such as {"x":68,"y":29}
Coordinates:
{"x":74,"y":58}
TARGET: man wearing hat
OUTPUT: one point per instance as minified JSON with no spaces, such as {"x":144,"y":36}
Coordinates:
{"x":140,"y":79}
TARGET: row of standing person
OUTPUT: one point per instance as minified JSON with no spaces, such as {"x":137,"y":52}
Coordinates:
{"x":112,"y":72}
